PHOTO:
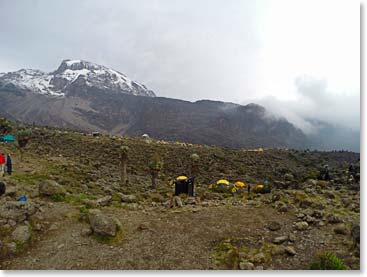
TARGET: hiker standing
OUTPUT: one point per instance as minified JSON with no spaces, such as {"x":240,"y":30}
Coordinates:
{"x":2,"y":164}
{"x":248,"y":188}
{"x":9,"y":165}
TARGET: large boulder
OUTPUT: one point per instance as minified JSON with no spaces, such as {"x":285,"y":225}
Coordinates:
{"x":50,"y":187}
{"x":102,"y":224}
{"x":21,"y":234}
{"x":17,"y":211}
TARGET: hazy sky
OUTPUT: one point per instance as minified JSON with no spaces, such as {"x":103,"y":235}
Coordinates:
{"x":298,"y":58}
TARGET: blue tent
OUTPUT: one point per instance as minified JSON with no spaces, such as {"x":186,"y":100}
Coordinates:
{"x":7,"y":138}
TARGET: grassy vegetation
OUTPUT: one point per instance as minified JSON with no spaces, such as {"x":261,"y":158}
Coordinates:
{"x":327,"y":261}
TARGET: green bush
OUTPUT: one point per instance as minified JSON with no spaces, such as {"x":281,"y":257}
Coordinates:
{"x":327,"y":261}
{"x":58,"y":197}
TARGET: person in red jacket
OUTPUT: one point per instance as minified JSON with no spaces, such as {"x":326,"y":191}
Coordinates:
{"x":2,"y":164}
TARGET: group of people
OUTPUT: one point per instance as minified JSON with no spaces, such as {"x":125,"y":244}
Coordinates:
{"x":6,"y":165}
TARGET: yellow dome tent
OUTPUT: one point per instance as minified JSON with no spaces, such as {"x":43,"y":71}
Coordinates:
{"x":181,"y":178}
{"x":239,"y":184}
{"x":223,"y":182}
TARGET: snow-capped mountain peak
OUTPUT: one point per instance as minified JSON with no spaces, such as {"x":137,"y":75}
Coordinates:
{"x":72,"y":73}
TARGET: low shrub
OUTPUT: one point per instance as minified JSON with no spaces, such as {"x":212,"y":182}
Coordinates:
{"x":327,"y":261}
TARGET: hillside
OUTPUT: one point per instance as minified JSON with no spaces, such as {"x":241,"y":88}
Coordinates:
{"x":88,"y":97}
{"x":283,"y":229}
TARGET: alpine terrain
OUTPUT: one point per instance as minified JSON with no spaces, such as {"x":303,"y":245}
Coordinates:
{"x":85,"y":96}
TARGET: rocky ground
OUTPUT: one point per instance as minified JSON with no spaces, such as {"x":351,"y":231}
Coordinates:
{"x":78,"y":216}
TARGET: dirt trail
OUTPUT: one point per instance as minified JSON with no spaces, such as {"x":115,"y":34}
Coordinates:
{"x":175,"y":239}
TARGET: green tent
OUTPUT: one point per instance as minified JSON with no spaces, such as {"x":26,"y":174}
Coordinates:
{"x":7,"y":138}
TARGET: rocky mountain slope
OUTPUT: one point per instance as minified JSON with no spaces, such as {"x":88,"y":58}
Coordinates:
{"x":76,"y":180}
{"x":88,"y":97}
{"x":84,"y":96}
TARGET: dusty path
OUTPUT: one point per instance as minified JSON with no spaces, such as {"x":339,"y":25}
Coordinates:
{"x":175,"y":239}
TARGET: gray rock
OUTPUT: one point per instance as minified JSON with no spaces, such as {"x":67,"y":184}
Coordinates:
{"x":333,"y":219}
{"x":318,"y":214}
{"x":190,"y":201}
{"x":292,"y":237}
{"x":86,"y":232}
{"x":246,"y":266}
{"x":177,"y":202}
{"x":21,"y":234}
{"x":279,"y":240}
{"x":290,"y":251}
{"x":341,"y":229}
{"x":283,"y":208}
{"x":356,"y":232}
{"x":104,"y":201}
{"x":17,"y":210}
{"x":258,"y":258}
{"x":278,"y":250}
{"x":126,"y":197}
{"x":311,"y":182}
{"x":305,"y":203}
{"x":300,"y":226}
{"x":274,"y":226}
{"x":11,"y":248}
{"x":50,"y":187}
{"x":309,"y":219}
{"x":10,"y":191}
{"x":330,"y":195}
{"x":102,"y":224}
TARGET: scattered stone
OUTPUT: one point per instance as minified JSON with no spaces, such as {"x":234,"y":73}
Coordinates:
{"x":21,"y":234}
{"x":11,"y":248}
{"x":89,"y":203}
{"x":318,"y":214}
{"x":126,"y":198}
{"x":278,"y":250}
{"x":300,"y":226}
{"x":259,"y":267}
{"x":309,"y":219}
{"x":258,"y":258}
{"x":10,"y":191}
{"x":356,"y":232}
{"x":283,"y":208}
{"x":17,"y":211}
{"x":279,"y":240}
{"x":205,"y":204}
{"x":333,"y":219}
{"x":102,"y":224}
{"x":290,"y":250}
{"x":246,"y":266}
{"x":311,"y":182}
{"x":292,"y":237}
{"x":50,"y":187}
{"x":305,"y":203}
{"x":274,"y":226}
{"x":190,"y":201}
{"x":86,"y":232}
{"x":341,"y":229}
{"x":142,"y":227}
{"x":330,"y":195}
{"x":53,"y":227}
{"x":177,"y":202}
{"x":104,"y":201}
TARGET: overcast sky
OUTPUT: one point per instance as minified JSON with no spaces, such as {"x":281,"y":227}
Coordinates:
{"x":298,"y":58}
